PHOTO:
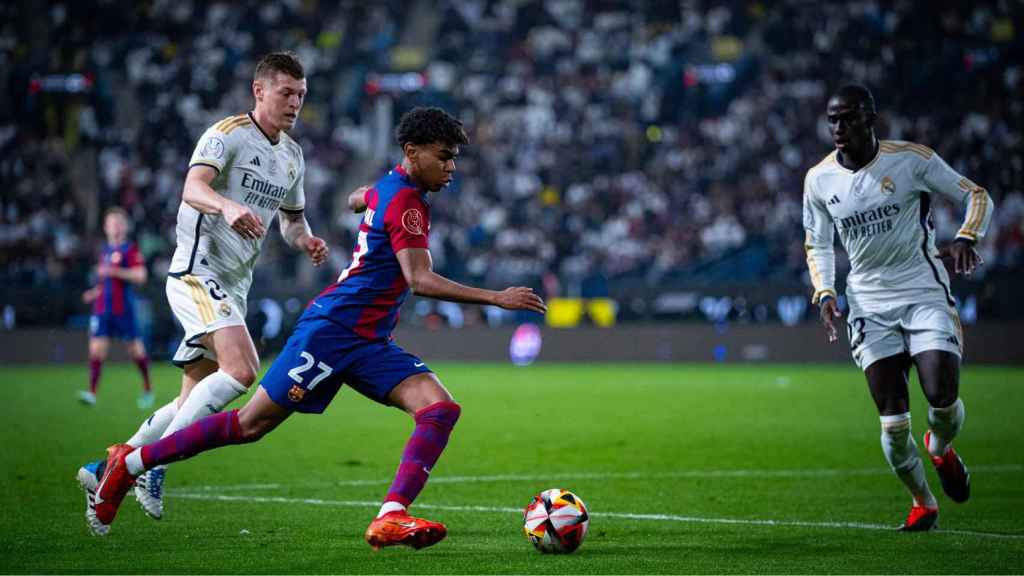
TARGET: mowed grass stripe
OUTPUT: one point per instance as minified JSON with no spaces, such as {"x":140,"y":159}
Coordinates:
{"x":641,"y":476}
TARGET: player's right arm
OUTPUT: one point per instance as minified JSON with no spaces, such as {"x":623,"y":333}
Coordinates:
{"x":418,"y":269}
{"x":200,"y":195}
{"x":819,"y":240}
{"x":212,"y":154}
{"x":357,"y":199}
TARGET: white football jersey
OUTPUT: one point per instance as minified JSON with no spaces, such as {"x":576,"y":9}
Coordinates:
{"x":253,"y":171}
{"x":882,"y":213}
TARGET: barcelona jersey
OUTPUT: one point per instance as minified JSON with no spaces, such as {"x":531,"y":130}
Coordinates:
{"x":368,"y":294}
{"x":113,"y":311}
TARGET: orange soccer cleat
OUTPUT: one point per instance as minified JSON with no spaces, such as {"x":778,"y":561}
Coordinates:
{"x":920,"y":519}
{"x":956,"y":480}
{"x":398,"y":527}
{"x":114,"y":484}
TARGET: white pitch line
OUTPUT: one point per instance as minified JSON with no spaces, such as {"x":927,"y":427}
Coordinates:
{"x":623,"y":515}
{"x":555,"y":477}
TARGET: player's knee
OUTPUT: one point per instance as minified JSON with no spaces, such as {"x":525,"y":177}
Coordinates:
{"x":941,"y":399}
{"x":444,"y":413}
{"x":253,"y":430}
{"x":244,"y":372}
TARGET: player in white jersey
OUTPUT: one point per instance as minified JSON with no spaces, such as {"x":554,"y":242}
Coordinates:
{"x":878,"y":195}
{"x":245,"y":170}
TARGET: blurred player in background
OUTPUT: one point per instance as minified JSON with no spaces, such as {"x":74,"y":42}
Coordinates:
{"x":113,"y":305}
{"x":878,"y":195}
{"x":344,"y":337}
{"x":245,"y":170}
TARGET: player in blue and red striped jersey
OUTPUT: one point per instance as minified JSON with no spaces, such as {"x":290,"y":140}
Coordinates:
{"x":344,"y":337}
{"x":113,"y":305}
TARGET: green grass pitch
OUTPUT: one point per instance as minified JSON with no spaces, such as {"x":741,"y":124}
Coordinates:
{"x":685,"y":469}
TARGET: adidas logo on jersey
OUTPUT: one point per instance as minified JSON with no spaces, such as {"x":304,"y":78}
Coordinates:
{"x":833,"y":201}
{"x":255,"y":161}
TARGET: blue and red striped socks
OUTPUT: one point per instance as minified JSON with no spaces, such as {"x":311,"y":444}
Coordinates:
{"x":433,"y":427}
{"x":95,"y":368}
{"x":142,"y":363}
{"x":211,"y":432}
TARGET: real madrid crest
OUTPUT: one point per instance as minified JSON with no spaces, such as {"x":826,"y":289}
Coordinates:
{"x":888,"y":186}
{"x":291,"y":172}
{"x":225,"y":309}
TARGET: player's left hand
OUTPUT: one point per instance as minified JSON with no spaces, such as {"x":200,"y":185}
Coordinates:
{"x":316,"y":249}
{"x":965,"y":257}
{"x":104,"y":271}
{"x":521,"y":298}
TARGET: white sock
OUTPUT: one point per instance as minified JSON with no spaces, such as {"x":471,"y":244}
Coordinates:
{"x":134,"y":462}
{"x":945,"y":424}
{"x":390,"y":506}
{"x":209,"y":396}
{"x":901,"y":453}
{"x":154,"y":426}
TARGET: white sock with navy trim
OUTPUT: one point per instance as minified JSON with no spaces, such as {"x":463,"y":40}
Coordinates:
{"x":154,"y":426}
{"x":210,"y":395}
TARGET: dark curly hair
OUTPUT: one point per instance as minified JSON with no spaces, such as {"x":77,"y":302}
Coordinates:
{"x":428,"y":125}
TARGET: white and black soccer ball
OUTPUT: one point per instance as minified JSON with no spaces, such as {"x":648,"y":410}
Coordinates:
{"x":556,"y":521}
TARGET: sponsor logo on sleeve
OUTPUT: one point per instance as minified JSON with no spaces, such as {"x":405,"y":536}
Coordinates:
{"x":412,"y":221}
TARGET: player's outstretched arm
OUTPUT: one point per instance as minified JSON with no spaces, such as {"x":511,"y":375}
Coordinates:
{"x":417,"y":267}
{"x":199,"y":195}
{"x":295,"y":231}
{"x":357,"y":199}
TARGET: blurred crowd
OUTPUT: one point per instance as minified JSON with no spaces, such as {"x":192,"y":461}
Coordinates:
{"x":611,"y":141}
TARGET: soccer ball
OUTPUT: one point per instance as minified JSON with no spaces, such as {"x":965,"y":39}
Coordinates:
{"x":556,"y":521}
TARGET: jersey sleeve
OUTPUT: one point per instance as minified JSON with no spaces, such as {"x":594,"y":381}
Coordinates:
{"x":407,"y":221}
{"x":214,"y":149}
{"x":941,"y":179}
{"x":295,"y":200}
{"x":819,"y":242}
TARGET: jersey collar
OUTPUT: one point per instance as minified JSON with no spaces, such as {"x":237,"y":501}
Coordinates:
{"x":258,"y":127}
{"x":408,"y":179}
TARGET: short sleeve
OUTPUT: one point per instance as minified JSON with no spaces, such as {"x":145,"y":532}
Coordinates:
{"x":407,"y":221}
{"x":213,"y":149}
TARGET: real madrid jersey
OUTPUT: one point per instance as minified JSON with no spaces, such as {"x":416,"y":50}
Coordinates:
{"x":252,"y":170}
{"x":882,"y":213}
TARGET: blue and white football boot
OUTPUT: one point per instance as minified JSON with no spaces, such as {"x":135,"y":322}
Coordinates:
{"x":89,"y":478}
{"x":149,"y":491}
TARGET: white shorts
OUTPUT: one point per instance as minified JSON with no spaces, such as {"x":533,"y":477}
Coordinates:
{"x":913,"y":328}
{"x":202,"y":306}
